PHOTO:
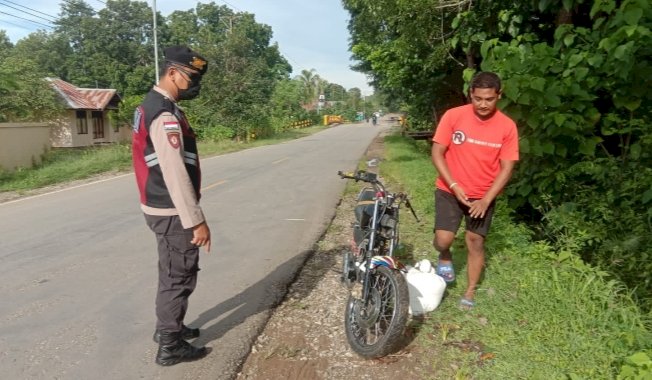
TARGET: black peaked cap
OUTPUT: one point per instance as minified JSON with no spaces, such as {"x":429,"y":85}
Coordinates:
{"x":184,"y":56}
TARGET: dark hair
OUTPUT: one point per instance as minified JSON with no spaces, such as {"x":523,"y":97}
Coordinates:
{"x":163,"y":70}
{"x":485,"y":79}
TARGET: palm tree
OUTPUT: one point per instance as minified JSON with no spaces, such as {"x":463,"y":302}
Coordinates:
{"x":322,"y":84}
{"x":309,"y":80}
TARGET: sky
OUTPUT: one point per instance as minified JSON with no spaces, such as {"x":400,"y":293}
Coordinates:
{"x":311,"y":34}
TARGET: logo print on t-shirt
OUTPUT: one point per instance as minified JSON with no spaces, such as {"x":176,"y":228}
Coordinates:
{"x":458,"y":137}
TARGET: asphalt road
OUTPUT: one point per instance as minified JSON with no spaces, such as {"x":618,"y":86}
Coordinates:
{"x":78,"y":266}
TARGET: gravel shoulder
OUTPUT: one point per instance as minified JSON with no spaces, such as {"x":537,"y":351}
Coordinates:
{"x":305,"y":339}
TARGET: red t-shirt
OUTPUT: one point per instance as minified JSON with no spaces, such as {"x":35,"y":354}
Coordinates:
{"x":475,"y":148}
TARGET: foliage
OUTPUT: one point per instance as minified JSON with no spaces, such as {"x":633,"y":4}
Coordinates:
{"x":5,"y":44}
{"x":24,"y":93}
{"x":309,"y":81}
{"x":637,"y":366}
{"x":112,"y":48}
{"x":125,"y":114}
{"x":402,"y":45}
{"x":285,"y":104}
{"x":583,"y":112}
{"x":575,"y":80}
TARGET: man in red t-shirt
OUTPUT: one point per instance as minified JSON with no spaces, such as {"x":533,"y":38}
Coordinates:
{"x":475,"y":148}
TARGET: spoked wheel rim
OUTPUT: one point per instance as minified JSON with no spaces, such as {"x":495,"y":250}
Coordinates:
{"x":370,"y":322}
{"x":366,"y":315}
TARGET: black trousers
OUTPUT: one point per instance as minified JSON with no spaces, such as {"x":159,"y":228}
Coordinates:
{"x":178,"y":264}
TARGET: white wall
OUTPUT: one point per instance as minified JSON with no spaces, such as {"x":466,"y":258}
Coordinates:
{"x":23,"y":144}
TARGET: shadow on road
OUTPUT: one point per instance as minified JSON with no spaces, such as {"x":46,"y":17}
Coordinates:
{"x":273,"y":289}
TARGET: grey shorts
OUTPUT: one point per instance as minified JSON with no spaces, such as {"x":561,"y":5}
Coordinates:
{"x":449,"y":212}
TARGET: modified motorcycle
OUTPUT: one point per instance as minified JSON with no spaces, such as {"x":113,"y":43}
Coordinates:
{"x":377,"y":309}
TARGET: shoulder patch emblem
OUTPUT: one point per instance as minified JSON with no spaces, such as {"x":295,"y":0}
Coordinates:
{"x":174,"y":138}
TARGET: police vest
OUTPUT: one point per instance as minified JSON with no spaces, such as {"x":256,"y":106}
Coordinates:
{"x":153,"y":191}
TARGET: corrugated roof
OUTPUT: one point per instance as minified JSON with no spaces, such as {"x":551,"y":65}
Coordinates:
{"x":83,"y":98}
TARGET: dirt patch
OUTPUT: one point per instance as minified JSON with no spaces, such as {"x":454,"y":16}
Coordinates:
{"x":305,"y":338}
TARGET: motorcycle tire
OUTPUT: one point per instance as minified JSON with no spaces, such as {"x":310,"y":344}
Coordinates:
{"x":375,"y":326}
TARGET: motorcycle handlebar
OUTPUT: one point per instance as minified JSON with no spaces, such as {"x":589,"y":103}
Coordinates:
{"x":364,"y":176}
{"x":359,"y":176}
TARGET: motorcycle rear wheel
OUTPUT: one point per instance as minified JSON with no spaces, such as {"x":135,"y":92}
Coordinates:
{"x":374,"y":326}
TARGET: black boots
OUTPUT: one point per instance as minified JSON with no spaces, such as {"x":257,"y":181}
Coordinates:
{"x":173,"y":349}
{"x":186,"y":333}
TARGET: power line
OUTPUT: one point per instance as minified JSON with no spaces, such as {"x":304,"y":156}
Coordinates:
{"x":26,"y":19}
{"x":20,"y":10}
{"x":33,"y":10}
{"x":231,"y":5}
{"x":11,"y":23}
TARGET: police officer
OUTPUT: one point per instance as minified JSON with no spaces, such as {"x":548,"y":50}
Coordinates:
{"x":168,"y":175}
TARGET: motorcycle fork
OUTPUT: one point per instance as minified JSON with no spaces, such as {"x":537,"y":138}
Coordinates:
{"x":370,"y":250}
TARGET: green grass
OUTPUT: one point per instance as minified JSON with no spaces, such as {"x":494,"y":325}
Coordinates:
{"x":539,"y":315}
{"x":69,"y":164}
{"x":63,"y":165}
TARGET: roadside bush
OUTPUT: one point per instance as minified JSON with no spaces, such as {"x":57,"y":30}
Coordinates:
{"x":214,"y":133}
{"x":608,"y":226}
{"x":583,"y":115}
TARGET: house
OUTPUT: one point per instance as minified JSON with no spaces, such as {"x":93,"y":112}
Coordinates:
{"x":86,"y":120}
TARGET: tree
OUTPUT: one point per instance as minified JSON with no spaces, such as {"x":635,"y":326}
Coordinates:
{"x":24,"y":93}
{"x":309,"y":80}
{"x":243,"y":71}
{"x":77,"y":26}
{"x":5,"y":44}
{"x":403,"y":47}
{"x":113,"y":48}
{"x":286,"y":103}
{"x":335,"y":92}
{"x":48,"y":50}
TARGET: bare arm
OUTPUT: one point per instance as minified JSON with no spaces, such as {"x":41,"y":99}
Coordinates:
{"x":479,"y":207}
{"x":438,"y":160}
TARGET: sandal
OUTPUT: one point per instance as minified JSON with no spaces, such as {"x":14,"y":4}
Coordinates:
{"x":466,"y":304}
{"x":446,"y":271}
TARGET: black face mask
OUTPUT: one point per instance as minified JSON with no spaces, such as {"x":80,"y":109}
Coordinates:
{"x":191,"y":92}
{"x":193,"y":87}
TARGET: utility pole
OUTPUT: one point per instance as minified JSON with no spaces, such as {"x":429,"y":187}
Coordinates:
{"x":155,"y":39}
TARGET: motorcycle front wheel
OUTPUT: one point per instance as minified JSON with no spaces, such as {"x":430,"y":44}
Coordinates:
{"x":375,"y":325}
